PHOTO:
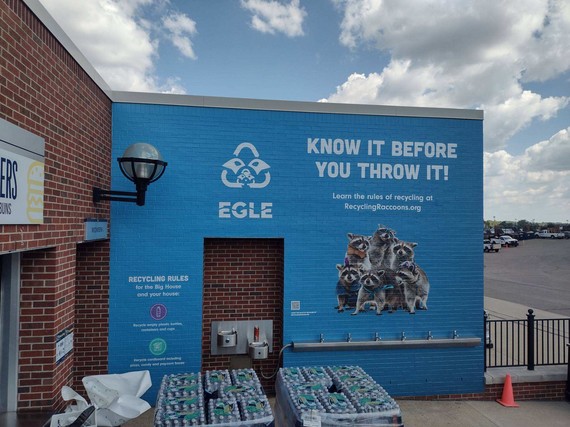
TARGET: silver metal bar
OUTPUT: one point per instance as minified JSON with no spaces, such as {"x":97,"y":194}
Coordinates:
{"x":385,"y":344}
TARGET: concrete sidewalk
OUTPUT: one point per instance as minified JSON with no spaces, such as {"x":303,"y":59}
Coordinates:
{"x":484,"y":414}
{"x":416,"y":413}
{"x":506,"y":310}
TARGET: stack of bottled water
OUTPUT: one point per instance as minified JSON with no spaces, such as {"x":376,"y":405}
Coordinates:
{"x":239,"y":376}
{"x":244,"y":383}
{"x":340,"y":391}
{"x":365,"y":394}
{"x":214,"y":380}
{"x":180,"y":401}
{"x":375,"y":400}
{"x":254,"y":408}
{"x":291,"y":375}
{"x":364,"y":388}
{"x":337,"y":403}
{"x":304,"y":385}
{"x":306,"y":402}
{"x":234,"y":391}
{"x":343,"y":376}
{"x":308,"y":387}
{"x":223,"y":410}
{"x":317,"y":374}
{"x":217,"y":397}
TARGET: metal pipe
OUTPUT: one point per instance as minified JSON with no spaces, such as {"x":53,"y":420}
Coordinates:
{"x":385,"y":344}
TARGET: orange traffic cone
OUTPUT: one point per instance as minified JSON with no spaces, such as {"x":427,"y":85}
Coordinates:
{"x":508,"y":399}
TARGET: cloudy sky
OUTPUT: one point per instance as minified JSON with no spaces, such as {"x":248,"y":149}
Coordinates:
{"x":509,"y":58}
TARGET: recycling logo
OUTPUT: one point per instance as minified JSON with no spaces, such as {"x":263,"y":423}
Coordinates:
{"x":239,"y":174}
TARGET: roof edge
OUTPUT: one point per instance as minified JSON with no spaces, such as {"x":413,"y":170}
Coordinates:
{"x":293,"y":106}
{"x":53,"y":27}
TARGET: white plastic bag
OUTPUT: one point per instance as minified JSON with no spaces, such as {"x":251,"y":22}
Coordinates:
{"x":116,"y":398}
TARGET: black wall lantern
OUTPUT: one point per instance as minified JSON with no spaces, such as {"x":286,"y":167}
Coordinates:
{"x":142,"y":164}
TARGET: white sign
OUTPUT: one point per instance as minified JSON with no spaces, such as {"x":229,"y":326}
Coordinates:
{"x":311,"y":419}
{"x":96,"y":229}
{"x":21,"y":175}
{"x":21,"y":189}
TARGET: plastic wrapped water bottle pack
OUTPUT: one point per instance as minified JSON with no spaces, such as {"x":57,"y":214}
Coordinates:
{"x":219,"y":397}
{"x":332,"y":396}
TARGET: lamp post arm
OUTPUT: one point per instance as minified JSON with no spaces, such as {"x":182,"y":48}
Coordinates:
{"x":118,"y":196}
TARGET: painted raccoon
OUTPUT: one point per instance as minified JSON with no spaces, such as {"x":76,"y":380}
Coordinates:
{"x":347,"y":286}
{"x":374,"y":285}
{"x":398,"y":253}
{"x":394,"y":292}
{"x":380,"y":246}
{"x":357,"y":251}
{"x":415,"y":284}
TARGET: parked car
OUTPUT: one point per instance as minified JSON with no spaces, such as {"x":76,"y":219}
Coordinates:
{"x":528,"y":235}
{"x":497,"y":240}
{"x":545,"y":234}
{"x":489,"y":246}
{"x":509,"y":241}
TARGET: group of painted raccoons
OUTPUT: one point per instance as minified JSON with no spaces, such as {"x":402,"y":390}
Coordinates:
{"x":379,"y":272}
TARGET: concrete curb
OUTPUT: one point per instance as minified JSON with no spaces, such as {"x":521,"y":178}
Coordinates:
{"x":523,"y":375}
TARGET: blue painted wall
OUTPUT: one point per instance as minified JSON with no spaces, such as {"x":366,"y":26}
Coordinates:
{"x":157,"y":259}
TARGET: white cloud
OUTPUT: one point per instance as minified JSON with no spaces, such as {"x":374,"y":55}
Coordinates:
{"x":469,"y":54}
{"x":120,"y":46}
{"x":504,"y":120}
{"x":537,"y":182}
{"x":180,"y":27}
{"x":271,"y":16}
{"x":552,"y":155}
{"x":547,"y":54}
{"x":475,"y":54}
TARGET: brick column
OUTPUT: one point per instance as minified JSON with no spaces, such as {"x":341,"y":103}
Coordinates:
{"x":46,"y":308}
{"x":91,"y":311}
{"x":243,"y":280}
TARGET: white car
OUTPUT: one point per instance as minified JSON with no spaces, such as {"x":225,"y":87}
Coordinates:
{"x":497,"y":240}
{"x":489,"y":246}
{"x":509,"y":241}
{"x":545,"y":234}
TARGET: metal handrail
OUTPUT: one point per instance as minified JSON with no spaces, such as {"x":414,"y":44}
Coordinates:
{"x":526,"y":342}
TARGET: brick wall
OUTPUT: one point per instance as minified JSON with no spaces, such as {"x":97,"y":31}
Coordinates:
{"x":91,"y":311}
{"x":548,"y":390}
{"x":45,"y":91}
{"x":243,"y":280}
{"x":37,"y":330}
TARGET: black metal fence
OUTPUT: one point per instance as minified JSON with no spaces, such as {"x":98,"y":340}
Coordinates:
{"x":527,"y":342}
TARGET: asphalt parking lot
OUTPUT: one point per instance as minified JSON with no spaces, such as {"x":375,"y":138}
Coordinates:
{"x":534,"y":274}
